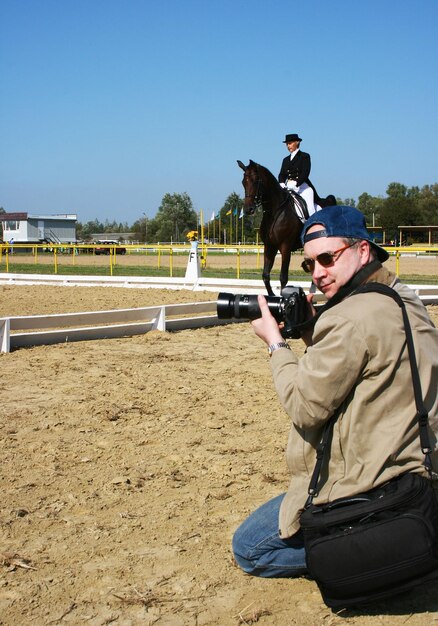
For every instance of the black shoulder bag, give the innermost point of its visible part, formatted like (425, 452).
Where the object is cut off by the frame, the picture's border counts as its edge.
(382, 542)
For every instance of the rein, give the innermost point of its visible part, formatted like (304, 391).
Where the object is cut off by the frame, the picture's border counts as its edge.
(289, 201)
(258, 200)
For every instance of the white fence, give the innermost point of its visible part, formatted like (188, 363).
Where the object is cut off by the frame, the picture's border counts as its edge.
(69, 327)
(103, 324)
(139, 282)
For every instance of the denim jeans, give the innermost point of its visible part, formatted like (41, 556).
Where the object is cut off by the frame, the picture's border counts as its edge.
(259, 550)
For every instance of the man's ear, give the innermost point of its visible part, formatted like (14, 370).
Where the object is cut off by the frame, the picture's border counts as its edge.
(365, 252)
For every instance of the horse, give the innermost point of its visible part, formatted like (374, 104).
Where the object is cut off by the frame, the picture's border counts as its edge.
(281, 227)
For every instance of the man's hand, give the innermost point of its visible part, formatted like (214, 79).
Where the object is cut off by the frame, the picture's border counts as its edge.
(266, 327)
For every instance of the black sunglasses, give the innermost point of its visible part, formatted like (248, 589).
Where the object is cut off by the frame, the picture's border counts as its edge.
(325, 258)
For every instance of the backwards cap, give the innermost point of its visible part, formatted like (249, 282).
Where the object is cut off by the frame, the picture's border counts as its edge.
(341, 221)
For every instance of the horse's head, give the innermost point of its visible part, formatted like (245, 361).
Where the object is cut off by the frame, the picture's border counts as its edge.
(252, 183)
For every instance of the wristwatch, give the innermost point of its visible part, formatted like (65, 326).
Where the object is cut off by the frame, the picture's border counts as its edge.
(275, 346)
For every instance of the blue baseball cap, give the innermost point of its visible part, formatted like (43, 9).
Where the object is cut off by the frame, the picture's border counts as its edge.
(341, 221)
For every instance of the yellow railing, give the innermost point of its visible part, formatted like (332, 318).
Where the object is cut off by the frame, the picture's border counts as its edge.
(73, 250)
(7, 252)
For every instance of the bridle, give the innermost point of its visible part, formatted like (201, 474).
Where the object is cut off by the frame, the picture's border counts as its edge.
(257, 196)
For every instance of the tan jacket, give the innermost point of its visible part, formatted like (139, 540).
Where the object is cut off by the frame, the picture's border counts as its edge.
(358, 368)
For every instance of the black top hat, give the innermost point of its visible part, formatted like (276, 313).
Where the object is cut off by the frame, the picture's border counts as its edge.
(292, 137)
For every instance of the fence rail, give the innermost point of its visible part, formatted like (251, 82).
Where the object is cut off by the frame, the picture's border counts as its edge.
(60, 253)
(68, 327)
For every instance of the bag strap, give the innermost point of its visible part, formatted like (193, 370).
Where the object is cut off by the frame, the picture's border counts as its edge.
(421, 416)
(320, 453)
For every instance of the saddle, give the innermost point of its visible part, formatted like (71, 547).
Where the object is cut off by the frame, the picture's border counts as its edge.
(299, 205)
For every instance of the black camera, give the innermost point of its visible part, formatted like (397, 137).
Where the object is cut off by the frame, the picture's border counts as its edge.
(289, 308)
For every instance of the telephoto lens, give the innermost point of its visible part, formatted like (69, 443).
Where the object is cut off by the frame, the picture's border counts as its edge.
(242, 306)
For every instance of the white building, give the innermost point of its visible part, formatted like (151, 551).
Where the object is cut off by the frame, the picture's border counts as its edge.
(26, 228)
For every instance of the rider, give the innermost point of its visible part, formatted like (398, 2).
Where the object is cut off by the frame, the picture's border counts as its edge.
(295, 170)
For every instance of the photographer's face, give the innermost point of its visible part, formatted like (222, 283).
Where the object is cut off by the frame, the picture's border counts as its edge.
(329, 279)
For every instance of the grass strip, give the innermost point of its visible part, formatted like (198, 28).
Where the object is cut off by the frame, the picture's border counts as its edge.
(118, 270)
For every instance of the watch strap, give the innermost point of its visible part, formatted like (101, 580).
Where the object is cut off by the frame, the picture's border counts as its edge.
(276, 346)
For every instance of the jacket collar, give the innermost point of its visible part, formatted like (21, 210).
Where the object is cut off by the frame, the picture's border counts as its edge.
(382, 275)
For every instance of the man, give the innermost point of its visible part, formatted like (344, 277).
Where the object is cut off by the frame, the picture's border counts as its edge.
(295, 171)
(356, 366)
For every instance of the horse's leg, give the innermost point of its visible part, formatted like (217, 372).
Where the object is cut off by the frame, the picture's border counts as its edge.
(285, 262)
(268, 262)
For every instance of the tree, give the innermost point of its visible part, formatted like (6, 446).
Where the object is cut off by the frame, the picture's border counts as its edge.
(370, 206)
(399, 208)
(234, 203)
(174, 219)
(347, 201)
(84, 231)
(396, 190)
(427, 203)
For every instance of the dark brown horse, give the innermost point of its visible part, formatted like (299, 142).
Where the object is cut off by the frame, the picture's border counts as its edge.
(280, 228)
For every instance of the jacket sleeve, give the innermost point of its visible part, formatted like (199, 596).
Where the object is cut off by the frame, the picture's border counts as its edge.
(304, 170)
(313, 387)
(283, 171)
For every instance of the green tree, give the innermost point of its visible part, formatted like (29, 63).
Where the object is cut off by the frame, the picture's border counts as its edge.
(399, 208)
(427, 203)
(370, 207)
(347, 201)
(84, 231)
(396, 190)
(174, 219)
(115, 227)
(140, 230)
(234, 203)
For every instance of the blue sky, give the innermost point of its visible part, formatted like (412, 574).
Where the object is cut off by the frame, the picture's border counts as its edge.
(106, 105)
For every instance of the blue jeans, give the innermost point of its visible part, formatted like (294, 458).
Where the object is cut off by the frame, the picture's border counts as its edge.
(259, 550)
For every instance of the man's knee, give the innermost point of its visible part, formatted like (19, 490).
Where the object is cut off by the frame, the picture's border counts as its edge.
(241, 550)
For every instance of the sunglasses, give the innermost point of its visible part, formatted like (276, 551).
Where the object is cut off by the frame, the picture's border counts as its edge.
(325, 258)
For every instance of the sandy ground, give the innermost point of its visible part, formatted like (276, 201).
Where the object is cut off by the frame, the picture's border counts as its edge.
(128, 463)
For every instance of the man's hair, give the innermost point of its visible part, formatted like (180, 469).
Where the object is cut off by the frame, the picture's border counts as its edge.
(353, 240)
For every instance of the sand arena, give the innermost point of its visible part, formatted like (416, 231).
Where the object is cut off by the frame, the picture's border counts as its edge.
(128, 463)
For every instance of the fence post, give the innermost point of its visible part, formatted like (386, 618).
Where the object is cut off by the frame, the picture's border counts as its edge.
(5, 343)
(159, 322)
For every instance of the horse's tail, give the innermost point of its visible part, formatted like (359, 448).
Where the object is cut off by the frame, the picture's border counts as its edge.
(330, 200)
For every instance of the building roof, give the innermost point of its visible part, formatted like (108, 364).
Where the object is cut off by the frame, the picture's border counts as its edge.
(4, 217)
(57, 216)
